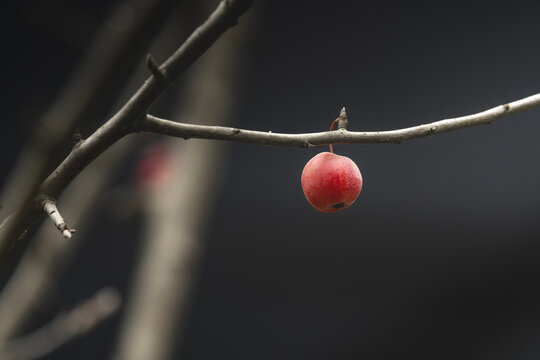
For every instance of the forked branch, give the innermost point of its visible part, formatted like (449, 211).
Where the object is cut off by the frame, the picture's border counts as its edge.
(122, 123)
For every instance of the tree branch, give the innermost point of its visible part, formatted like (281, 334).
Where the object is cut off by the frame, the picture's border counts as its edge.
(123, 123)
(36, 277)
(37, 274)
(340, 136)
(132, 117)
(88, 95)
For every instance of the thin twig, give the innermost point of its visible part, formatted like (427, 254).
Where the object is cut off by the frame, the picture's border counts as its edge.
(340, 136)
(49, 206)
(63, 328)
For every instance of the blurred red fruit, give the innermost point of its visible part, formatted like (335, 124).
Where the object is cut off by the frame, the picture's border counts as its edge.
(153, 167)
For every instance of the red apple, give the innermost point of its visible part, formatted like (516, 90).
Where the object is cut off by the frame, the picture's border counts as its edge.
(331, 182)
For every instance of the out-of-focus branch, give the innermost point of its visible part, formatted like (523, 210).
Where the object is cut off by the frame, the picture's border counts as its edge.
(63, 328)
(224, 17)
(340, 136)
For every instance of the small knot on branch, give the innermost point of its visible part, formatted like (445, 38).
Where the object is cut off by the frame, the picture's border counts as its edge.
(154, 68)
(307, 144)
(77, 138)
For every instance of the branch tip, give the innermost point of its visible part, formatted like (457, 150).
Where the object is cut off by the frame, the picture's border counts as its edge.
(67, 233)
(342, 120)
(48, 205)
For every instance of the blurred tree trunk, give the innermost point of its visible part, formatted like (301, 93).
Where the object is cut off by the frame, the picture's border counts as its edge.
(176, 211)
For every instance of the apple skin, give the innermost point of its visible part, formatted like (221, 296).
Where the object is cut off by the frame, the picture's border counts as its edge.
(331, 182)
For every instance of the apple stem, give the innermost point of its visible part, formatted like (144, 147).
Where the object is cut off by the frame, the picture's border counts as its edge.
(341, 122)
(332, 128)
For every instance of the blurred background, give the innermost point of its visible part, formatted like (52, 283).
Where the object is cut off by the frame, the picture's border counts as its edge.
(438, 257)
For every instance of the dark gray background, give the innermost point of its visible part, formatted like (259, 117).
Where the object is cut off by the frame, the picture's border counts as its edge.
(439, 256)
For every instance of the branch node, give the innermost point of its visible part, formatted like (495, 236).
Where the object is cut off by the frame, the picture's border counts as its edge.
(77, 139)
(154, 68)
(136, 126)
(506, 107)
